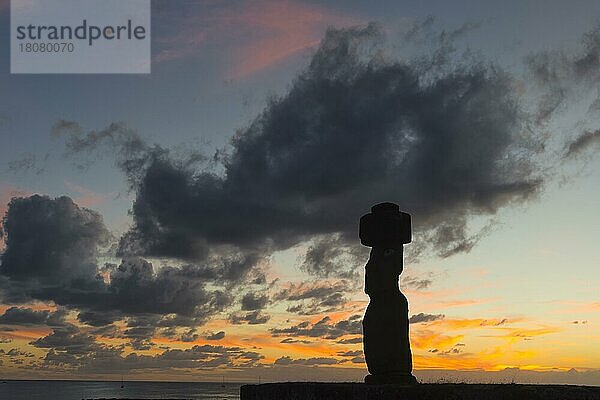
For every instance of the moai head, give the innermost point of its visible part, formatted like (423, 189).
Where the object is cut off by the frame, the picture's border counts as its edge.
(385, 226)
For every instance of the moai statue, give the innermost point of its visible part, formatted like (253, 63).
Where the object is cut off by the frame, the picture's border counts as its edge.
(385, 325)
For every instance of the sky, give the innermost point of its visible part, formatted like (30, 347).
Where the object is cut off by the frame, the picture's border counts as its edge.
(201, 221)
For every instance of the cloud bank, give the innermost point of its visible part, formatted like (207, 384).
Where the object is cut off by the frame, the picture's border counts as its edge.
(354, 129)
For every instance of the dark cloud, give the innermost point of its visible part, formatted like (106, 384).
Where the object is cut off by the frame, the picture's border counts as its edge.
(108, 331)
(422, 317)
(51, 239)
(357, 360)
(315, 296)
(52, 250)
(324, 328)
(333, 302)
(286, 360)
(253, 301)
(563, 76)
(18, 353)
(26, 164)
(136, 158)
(215, 336)
(556, 67)
(354, 129)
(425, 31)
(131, 152)
(331, 257)
(416, 283)
(351, 340)
(70, 349)
(290, 340)
(27, 316)
(259, 278)
(310, 290)
(141, 330)
(582, 143)
(350, 353)
(211, 355)
(451, 351)
(97, 318)
(251, 318)
(136, 288)
(68, 339)
(189, 336)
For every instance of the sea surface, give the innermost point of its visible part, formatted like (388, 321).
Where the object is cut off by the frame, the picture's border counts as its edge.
(77, 390)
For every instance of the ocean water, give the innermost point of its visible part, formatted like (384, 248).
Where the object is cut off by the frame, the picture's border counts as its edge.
(77, 390)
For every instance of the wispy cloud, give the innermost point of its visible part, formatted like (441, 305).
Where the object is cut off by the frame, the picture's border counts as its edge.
(583, 142)
(513, 335)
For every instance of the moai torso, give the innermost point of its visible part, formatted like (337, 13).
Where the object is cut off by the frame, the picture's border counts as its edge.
(382, 272)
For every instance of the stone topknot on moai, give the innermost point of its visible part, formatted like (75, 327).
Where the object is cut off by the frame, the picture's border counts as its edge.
(385, 325)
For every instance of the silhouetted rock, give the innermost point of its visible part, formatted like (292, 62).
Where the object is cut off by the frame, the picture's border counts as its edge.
(385, 325)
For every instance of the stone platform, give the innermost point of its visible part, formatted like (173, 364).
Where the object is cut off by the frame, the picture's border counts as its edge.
(360, 391)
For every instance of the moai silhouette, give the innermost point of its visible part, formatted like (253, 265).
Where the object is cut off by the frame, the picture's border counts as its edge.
(385, 325)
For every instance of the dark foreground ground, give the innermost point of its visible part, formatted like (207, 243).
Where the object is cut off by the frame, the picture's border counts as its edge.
(432, 391)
